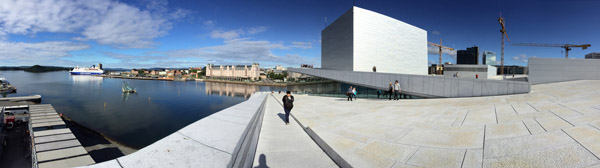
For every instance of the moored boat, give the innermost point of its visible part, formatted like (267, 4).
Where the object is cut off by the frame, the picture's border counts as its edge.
(6, 87)
(126, 88)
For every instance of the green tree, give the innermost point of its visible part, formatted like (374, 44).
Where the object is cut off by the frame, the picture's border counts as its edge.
(203, 72)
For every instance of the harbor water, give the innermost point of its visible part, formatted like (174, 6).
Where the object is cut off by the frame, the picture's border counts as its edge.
(136, 120)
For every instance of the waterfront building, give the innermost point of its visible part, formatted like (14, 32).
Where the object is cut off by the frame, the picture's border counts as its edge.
(251, 72)
(170, 73)
(361, 39)
(468, 56)
(594, 55)
(489, 58)
(280, 68)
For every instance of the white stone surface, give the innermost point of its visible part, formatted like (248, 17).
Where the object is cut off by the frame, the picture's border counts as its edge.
(283, 145)
(556, 125)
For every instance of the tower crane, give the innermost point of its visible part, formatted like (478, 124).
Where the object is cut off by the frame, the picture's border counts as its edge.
(503, 31)
(567, 47)
(440, 51)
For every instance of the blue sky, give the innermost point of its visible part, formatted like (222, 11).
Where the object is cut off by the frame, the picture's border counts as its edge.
(160, 33)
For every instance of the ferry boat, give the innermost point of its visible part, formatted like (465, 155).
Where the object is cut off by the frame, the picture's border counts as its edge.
(92, 70)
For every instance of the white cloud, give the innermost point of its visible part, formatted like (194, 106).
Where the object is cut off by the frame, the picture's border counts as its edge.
(522, 58)
(20, 53)
(107, 22)
(435, 32)
(303, 45)
(240, 50)
(235, 51)
(234, 34)
(255, 30)
(209, 23)
(221, 34)
(433, 50)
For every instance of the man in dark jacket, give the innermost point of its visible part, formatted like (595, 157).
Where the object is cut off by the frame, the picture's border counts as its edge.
(349, 93)
(288, 104)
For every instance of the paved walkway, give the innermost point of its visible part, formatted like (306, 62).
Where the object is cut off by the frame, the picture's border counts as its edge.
(556, 125)
(283, 145)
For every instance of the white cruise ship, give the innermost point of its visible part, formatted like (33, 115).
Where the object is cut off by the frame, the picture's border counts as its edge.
(92, 70)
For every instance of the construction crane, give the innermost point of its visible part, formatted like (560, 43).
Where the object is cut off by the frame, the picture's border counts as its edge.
(440, 51)
(503, 31)
(567, 47)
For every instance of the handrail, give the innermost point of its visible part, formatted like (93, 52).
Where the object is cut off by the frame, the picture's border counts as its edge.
(243, 156)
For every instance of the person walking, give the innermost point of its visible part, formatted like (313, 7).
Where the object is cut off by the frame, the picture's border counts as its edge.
(396, 90)
(390, 90)
(349, 93)
(288, 104)
(354, 93)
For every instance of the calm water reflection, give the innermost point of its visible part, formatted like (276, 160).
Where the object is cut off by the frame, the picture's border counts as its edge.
(136, 120)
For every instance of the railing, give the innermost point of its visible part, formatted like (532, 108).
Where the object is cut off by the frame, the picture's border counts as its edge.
(34, 163)
(246, 148)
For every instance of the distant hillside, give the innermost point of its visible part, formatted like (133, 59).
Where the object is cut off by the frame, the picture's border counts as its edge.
(36, 68)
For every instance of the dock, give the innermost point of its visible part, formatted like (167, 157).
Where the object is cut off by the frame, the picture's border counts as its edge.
(35, 98)
(53, 144)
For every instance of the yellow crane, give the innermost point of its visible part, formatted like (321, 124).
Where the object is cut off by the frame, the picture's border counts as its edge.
(503, 31)
(440, 46)
(567, 47)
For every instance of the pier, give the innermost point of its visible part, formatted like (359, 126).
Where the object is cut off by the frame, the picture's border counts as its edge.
(53, 144)
(33, 98)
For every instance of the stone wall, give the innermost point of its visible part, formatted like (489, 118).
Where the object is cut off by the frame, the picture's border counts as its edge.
(549, 70)
(423, 85)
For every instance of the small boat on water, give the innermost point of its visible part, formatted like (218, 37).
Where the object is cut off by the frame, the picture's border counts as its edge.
(127, 89)
(6, 87)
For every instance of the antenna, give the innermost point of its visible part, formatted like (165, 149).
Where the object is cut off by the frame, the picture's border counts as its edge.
(353, 2)
(325, 21)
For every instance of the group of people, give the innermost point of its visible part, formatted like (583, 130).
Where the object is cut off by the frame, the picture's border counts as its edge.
(394, 88)
(351, 93)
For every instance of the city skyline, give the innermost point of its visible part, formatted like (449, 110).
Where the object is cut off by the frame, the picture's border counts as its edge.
(173, 34)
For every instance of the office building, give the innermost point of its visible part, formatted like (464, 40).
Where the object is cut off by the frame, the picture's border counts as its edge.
(489, 58)
(594, 55)
(361, 39)
(469, 56)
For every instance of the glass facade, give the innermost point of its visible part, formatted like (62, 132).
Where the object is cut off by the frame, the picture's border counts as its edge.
(489, 58)
(337, 89)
